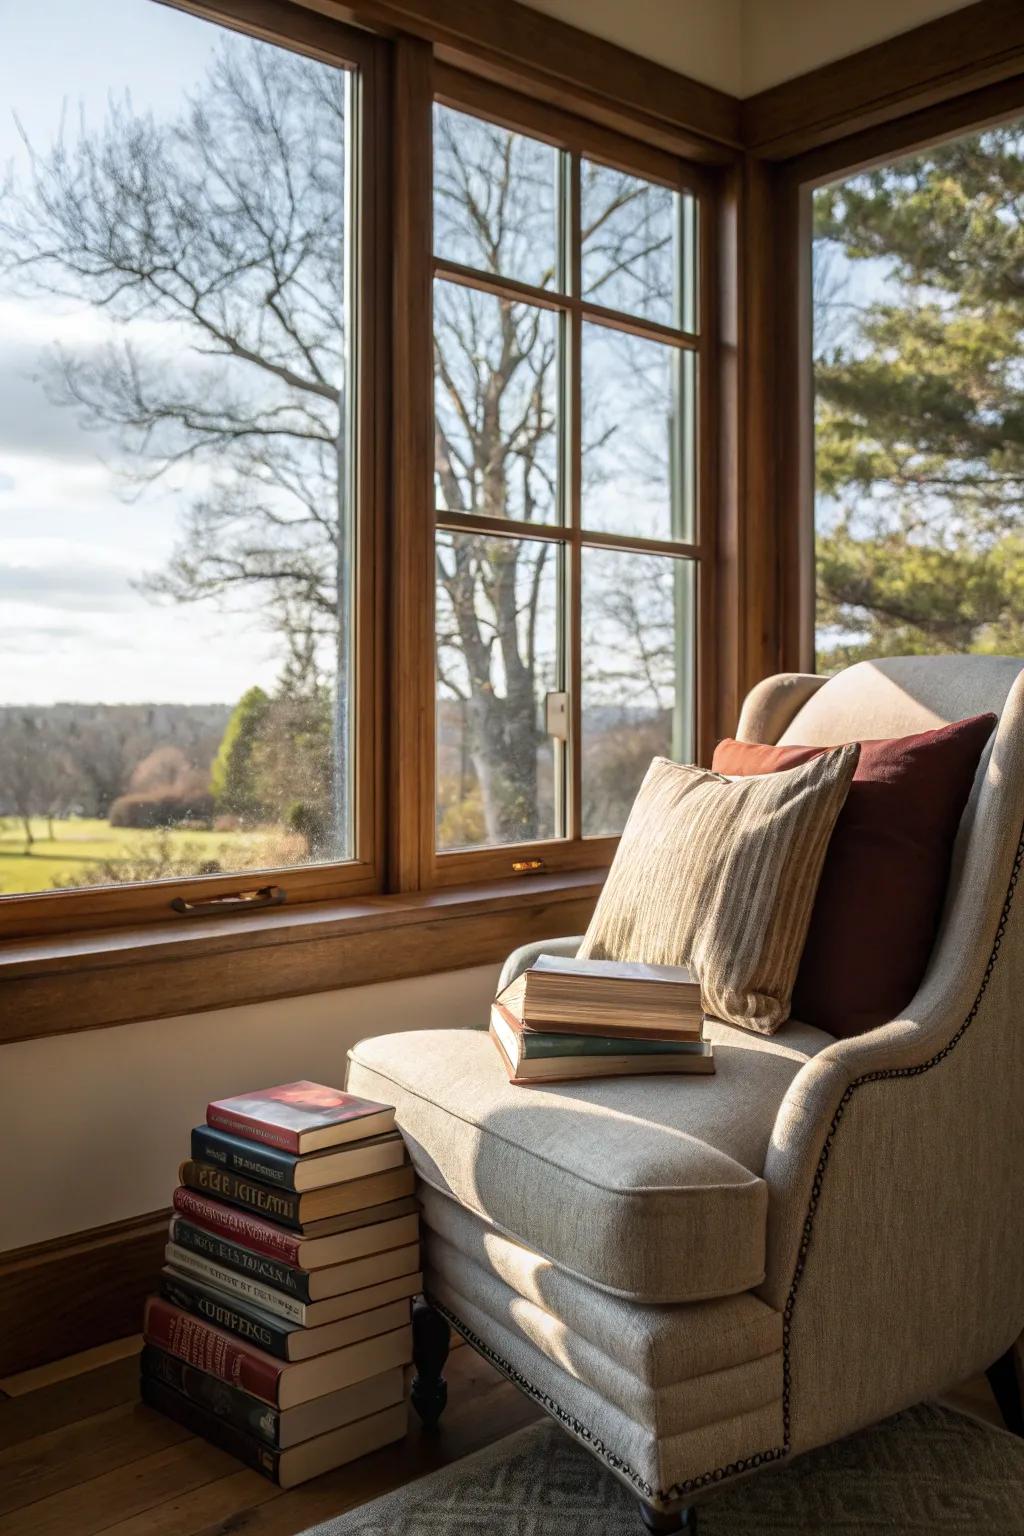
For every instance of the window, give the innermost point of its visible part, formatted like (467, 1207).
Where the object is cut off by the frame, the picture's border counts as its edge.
(242, 659)
(568, 561)
(180, 248)
(918, 337)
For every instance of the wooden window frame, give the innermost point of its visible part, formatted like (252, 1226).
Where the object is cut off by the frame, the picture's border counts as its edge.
(108, 907)
(580, 138)
(90, 959)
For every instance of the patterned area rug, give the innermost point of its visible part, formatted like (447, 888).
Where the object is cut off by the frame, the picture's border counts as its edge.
(927, 1470)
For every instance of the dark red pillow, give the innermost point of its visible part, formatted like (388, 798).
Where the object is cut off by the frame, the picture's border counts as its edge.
(884, 881)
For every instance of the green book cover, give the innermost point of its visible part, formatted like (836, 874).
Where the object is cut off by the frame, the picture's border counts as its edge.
(539, 1045)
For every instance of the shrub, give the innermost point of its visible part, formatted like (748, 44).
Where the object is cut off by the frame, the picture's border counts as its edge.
(168, 808)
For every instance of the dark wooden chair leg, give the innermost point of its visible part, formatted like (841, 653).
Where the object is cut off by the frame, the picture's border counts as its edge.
(1006, 1389)
(431, 1337)
(668, 1524)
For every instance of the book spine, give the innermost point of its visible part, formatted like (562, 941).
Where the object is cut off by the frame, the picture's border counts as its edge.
(209, 1427)
(279, 1205)
(252, 1129)
(237, 1227)
(229, 1403)
(247, 1261)
(195, 1267)
(209, 1349)
(222, 1311)
(224, 1151)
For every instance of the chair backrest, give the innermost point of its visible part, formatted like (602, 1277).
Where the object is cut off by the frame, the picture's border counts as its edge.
(895, 696)
(899, 696)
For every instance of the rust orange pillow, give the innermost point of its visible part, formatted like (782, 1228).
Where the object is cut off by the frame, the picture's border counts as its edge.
(886, 870)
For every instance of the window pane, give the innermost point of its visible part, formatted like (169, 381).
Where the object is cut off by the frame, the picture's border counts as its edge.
(638, 436)
(495, 199)
(638, 669)
(638, 246)
(495, 393)
(918, 337)
(175, 571)
(499, 773)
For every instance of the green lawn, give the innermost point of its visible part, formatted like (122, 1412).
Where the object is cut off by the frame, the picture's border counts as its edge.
(79, 844)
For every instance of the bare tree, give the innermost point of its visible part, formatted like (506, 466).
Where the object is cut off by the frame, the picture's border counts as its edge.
(35, 775)
(223, 229)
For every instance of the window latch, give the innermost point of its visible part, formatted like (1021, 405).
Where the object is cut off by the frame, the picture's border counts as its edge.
(233, 901)
(557, 715)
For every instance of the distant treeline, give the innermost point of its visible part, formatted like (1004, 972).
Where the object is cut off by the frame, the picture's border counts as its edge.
(57, 759)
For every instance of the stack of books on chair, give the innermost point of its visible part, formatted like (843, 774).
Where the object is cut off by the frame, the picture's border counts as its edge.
(564, 1019)
(283, 1321)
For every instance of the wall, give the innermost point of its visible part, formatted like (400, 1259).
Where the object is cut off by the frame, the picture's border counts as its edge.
(744, 46)
(95, 1124)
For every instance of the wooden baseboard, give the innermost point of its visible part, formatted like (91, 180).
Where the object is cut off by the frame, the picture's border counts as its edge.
(75, 1292)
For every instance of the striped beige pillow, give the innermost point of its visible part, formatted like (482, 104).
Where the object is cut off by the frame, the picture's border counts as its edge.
(720, 875)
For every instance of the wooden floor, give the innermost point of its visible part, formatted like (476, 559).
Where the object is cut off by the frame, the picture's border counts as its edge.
(82, 1455)
(79, 1454)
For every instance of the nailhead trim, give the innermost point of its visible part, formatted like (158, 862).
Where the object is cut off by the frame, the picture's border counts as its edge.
(749, 1463)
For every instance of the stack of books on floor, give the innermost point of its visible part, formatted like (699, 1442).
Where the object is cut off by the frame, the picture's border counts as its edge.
(282, 1326)
(565, 1019)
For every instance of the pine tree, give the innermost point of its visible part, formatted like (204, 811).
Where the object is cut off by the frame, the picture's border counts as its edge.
(233, 779)
(920, 407)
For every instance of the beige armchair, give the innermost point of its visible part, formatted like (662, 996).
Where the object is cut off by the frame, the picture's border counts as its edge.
(701, 1277)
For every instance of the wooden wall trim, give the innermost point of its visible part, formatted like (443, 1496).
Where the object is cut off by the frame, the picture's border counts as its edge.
(77, 1291)
(525, 49)
(969, 48)
(57, 987)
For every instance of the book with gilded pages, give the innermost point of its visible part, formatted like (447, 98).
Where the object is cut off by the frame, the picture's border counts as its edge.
(287, 1170)
(302, 1283)
(278, 1382)
(287, 1468)
(277, 1428)
(606, 997)
(311, 1213)
(300, 1117)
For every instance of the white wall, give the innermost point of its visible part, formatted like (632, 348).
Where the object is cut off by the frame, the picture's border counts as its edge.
(744, 46)
(95, 1124)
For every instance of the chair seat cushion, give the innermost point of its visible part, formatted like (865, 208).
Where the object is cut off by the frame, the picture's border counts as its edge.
(648, 1187)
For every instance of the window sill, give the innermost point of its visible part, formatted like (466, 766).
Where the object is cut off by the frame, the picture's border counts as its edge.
(60, 984)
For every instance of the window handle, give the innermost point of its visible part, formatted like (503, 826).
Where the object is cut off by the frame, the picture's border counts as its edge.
(233, 901)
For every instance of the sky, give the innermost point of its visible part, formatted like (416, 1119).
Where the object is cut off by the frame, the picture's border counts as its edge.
(73, 626)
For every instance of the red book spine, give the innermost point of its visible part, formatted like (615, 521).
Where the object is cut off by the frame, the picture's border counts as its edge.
(260, 1236)
(210, 1350)
(252, 1129)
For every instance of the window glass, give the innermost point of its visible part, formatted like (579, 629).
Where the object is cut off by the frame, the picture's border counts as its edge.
(637, 676)
(495, 199)
(175, 450)
(638, 435)
(919, 448)
(495, 418)
(498, 656)
(638, 246)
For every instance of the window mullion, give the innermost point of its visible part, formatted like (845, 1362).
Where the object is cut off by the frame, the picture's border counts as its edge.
(573, 417)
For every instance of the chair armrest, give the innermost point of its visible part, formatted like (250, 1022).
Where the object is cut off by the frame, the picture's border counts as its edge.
(522, 958)
(963, 1019)
(770, 706)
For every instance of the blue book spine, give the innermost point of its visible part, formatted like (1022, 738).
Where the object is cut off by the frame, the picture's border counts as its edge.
(222, 1311)
(225, 1151)
(256, 1266)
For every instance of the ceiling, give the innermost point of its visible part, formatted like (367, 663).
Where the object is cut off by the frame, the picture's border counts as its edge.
(744, 46)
